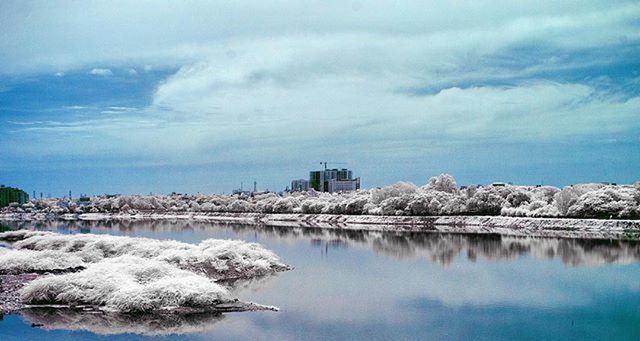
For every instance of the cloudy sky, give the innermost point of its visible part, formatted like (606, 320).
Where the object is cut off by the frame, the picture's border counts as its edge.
(138, 97)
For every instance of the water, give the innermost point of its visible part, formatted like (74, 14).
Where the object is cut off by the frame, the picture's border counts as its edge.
(380, 286)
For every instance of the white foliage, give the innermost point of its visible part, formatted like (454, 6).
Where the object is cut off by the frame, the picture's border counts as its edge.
(24, 261)
(487, 200)
(314, 205)
(440, 196)
(128, 284)
(443, 183)
(398, 189)
(565, 199)
(241, 206)
(213, 257)
(125, 274)
(607, 202)
(286, 205)
(536, 208)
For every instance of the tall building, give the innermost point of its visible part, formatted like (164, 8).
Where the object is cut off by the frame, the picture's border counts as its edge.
(333, 180)
(9, 195)
(299, 185)
(335, 185)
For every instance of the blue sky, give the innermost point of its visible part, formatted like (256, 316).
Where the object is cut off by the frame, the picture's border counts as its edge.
(115, 97)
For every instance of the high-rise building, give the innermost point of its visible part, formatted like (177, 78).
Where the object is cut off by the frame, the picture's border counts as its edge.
(299, 185)
(333, 180)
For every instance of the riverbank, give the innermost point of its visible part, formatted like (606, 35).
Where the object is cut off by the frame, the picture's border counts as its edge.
(511, 226)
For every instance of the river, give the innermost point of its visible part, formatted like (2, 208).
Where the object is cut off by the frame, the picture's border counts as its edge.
(379, 286)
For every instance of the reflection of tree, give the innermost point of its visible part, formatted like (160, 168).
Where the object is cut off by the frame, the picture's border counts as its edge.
(444, 248)
(114, 323)
(437, 247)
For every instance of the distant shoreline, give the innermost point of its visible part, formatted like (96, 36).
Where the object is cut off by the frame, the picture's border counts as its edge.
(617, 229)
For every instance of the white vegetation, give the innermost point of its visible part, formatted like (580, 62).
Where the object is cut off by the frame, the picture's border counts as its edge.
(125, 274)
(216, 258)
(17, 262)
(439, 196)
(128, 284)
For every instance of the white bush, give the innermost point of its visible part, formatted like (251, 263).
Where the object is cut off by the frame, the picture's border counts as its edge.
(607, 202)
(128, 284)
(443, 183)
(214, 257)
(439, 196)
(24, 261)
(398, 189)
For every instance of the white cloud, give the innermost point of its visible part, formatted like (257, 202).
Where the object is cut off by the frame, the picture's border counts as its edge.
(295, 83)
(391, 78)
(100, 72)
(71, 35)
(118, 110)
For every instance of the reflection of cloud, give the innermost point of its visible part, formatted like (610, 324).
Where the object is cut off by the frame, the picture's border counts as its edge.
(249, 284)
(111, 323)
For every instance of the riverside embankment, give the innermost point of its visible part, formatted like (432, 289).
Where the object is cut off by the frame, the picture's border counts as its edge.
(513, 226)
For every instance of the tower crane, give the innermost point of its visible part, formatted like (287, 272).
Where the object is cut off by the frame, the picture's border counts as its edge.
(332, 163)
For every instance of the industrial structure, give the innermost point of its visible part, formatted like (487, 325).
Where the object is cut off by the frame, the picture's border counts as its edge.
(10, 195)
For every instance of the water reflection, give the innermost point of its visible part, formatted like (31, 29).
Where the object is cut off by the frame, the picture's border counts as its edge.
(373, 285)
(111, 323)
(438, 248)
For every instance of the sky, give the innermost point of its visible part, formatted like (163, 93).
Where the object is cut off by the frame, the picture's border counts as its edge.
(200, 96)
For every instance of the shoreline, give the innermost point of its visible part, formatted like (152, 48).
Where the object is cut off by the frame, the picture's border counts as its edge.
(503, 225)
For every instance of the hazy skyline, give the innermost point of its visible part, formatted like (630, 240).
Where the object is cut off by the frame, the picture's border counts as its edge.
(121, 97)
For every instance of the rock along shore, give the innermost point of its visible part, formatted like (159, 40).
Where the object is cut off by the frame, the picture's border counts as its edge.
(513, 226)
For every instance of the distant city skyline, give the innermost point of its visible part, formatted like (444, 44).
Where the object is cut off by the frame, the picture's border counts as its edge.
(122, 97)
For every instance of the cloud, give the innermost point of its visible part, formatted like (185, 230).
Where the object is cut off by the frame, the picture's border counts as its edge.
(302, 83)
(65, 35)
(391, 81)
(118, 110)
(100, 72)
(76, 107)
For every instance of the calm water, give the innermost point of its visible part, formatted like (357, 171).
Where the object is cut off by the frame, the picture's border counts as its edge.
(353, 285)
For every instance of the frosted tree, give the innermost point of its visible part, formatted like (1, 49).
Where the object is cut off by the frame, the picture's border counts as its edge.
(443, 183)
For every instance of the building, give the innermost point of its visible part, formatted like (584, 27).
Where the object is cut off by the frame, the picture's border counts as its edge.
(335, 185)
(9, 195)
(333, 180)
(299, 185)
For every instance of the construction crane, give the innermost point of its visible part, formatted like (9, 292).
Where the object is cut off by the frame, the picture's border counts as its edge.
(332, 163)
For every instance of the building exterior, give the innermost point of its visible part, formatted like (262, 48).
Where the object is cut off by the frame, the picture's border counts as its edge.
(333, 180)
(335, 185)
(299, 185)
(9, 195)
